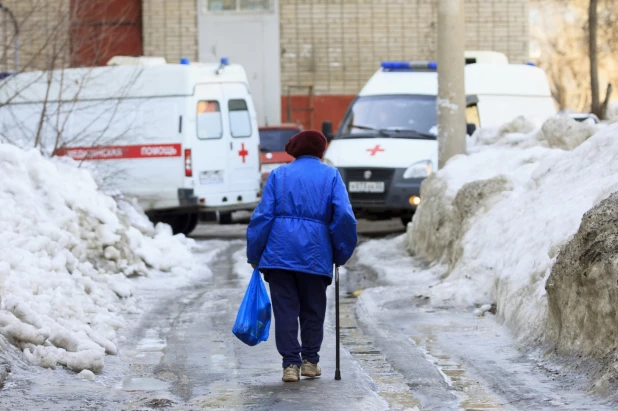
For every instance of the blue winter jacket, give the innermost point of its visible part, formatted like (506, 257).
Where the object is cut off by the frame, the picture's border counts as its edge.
(304, 222)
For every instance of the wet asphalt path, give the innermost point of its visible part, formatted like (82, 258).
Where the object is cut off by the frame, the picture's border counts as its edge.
(186, 357)
(180, 354)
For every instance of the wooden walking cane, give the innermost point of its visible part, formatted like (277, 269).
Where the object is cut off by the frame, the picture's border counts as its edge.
(337, 359)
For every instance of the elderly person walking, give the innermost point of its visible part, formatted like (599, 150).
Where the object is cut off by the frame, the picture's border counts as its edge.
(303, 225)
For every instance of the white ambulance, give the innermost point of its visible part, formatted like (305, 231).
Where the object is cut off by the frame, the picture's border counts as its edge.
(180, 138)
(387, 144)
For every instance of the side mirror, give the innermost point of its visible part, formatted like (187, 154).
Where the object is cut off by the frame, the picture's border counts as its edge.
(327, 130)
(470, 128)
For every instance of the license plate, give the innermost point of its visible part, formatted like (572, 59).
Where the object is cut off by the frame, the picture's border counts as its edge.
(366, 187)
(211, 177)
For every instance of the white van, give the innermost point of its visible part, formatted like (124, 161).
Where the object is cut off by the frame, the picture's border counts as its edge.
(181, 138)
(386, 144)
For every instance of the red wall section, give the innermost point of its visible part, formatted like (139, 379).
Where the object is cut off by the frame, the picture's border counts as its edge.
(325, 107)
(101, 29)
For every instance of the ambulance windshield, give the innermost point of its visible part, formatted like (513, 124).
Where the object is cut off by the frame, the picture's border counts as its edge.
(397, 116)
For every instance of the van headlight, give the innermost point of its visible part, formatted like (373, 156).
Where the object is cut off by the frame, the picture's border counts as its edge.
(420, 169)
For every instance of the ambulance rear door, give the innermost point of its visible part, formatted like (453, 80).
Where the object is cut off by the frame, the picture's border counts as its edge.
(210, 148)
(244, 155)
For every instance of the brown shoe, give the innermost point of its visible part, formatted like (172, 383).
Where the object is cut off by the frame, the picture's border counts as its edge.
(291, 373)
(310, 370)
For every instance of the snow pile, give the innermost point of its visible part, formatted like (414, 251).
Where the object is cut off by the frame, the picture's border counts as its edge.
(581, 289)
(612, 112)
(557, 132)
(393, 265)
(499, 216)
(66, 250)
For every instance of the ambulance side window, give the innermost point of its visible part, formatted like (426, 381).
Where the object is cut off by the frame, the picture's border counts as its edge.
(240, 121)
(472, 115)
(209, 124)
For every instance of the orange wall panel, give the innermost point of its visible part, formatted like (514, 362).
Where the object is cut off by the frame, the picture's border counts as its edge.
(101, 29)
(325, 107)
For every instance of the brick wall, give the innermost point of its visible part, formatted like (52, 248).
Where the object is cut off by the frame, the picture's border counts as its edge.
(336, 45)
(62, 33)
(170, 29)
(44, 34)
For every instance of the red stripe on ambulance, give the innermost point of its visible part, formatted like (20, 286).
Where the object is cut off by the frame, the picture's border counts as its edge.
(120, 152)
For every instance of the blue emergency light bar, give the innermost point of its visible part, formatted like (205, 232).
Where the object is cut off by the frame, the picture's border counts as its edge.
(222, 63)
(409, 65)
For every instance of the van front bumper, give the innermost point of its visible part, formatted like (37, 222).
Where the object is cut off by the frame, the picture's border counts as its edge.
(395, 200)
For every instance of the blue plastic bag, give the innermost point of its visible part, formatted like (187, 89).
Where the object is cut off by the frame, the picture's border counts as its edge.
(253, 319)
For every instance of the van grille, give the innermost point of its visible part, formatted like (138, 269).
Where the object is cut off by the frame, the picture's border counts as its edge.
(377, 174)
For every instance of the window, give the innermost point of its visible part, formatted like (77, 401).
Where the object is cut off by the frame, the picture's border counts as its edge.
(275, 139)
(255, 5)
(221, 5)
(240, 121)
(209, 120)
(251, 6)
(472, 115)
(402, 115)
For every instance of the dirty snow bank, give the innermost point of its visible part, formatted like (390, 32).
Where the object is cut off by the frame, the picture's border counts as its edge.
(66, 250)
(498, 217)
(393, 265)
(582, 290)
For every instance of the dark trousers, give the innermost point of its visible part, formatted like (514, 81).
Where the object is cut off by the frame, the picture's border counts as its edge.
(298, 296)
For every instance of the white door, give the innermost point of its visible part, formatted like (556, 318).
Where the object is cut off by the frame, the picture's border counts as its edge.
(211, 146)
(248, 34)
(247, 50)
(244, 153)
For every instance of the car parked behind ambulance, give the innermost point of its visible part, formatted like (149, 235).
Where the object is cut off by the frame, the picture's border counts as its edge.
(180, 138)
(386, 144)
(272, 146)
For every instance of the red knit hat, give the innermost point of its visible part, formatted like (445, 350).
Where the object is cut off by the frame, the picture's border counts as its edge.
(310, 142)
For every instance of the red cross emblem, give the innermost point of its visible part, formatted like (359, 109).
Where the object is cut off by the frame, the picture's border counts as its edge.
(243, 152)
(375, 150)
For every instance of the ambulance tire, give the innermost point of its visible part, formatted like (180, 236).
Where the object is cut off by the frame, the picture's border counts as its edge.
(185, 223)
(180, 223)
(163, 218)
(225, 218)
(191, 222)
(405, 220)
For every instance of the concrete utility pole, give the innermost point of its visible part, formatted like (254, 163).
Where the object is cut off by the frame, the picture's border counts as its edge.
(451, 90)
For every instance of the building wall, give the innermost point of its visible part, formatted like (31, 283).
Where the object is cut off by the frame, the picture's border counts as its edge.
(250, 38)
(44, 34)
(170, 29)
(61, 33)
(102, 29)
(336, 45)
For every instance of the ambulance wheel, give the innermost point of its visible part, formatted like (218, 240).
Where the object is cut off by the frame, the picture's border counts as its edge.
(225, 218)
(185, 223)
(192, 221)
(180, 223)
(405, 220)
(168, 219)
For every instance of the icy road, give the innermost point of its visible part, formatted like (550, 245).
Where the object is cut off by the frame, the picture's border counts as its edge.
(398, 352)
